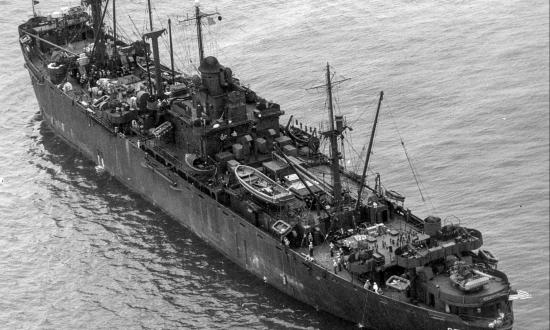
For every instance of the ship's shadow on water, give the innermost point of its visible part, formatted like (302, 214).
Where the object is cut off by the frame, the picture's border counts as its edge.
(152, 263)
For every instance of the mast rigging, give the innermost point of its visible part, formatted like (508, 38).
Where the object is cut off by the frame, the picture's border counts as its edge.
(336, 127)
(99, 38)
(198, 19)
(335, 154)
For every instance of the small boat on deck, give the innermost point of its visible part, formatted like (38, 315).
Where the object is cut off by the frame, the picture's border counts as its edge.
(298, 135)
(261, 186)
(304, 138)
(395, 196)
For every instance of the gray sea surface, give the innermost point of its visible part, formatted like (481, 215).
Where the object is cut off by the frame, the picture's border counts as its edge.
(466, 87)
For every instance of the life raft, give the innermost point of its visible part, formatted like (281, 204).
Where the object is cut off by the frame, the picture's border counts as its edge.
(398, 283)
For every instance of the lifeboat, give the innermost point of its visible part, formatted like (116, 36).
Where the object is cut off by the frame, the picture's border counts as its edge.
(261, 186)
(303, 138)
(394, 195)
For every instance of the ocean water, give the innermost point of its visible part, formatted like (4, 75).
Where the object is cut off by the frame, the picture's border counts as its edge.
(466, 88)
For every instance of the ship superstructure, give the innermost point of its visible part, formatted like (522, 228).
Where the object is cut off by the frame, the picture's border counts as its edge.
(213, 154)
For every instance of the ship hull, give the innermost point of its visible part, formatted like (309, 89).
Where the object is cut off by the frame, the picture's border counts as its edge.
(226, 231)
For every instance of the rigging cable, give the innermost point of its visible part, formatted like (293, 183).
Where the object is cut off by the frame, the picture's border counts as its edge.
(185, 46)
(361, 155)
(136, 32)
(121, 32)
(360, 114)
(145, 22)
(413, 170)
(179, 44)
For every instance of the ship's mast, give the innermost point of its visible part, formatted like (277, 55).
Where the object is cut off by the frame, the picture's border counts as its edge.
(199, 30)
(95, 6)
(336, 128)
(335, 154)
(147, 61)
(198, 17)
(171, 50)
(153, 35)
(115, 51)
(98, 16)
(33, 2)
(358, 203)
(150, 15)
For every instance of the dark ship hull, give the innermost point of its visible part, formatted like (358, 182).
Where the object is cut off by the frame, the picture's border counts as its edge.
(226, 231)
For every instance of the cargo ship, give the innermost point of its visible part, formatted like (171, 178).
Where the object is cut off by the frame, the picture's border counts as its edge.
(214, 155)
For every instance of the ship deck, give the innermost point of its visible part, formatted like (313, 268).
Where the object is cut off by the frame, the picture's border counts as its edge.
(394, 233)
(397, 232)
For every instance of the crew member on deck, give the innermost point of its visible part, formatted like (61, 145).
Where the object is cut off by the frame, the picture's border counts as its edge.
(367, 285)
(375, 288)
(311, 249)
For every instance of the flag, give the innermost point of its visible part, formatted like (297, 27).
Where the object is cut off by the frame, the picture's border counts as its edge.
(35, 2)
(211, 21)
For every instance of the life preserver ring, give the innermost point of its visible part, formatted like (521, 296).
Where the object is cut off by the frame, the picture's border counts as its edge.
(54, 66)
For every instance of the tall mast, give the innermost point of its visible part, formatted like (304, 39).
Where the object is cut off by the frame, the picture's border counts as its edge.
(154, 35)
(336, 181)
(198, 17)
(115, 51)
(171, 50)
(199, 30)
(147, 60)
(150, 15)
(98, 50)
(358, 203)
